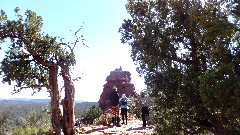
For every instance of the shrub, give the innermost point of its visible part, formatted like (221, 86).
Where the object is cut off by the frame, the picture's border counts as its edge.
(91, 114)
(105, 119)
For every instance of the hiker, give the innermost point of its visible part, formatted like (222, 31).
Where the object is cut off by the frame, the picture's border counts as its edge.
(114, 101)
(144, 106)
(77, 124)
(124, 108)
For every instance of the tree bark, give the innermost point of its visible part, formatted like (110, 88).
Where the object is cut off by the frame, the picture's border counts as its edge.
(218, 125)
(55, 104)
(68, 102)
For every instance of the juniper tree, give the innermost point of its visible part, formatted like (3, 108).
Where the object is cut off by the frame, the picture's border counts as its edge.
(35, 60)
(189, 54)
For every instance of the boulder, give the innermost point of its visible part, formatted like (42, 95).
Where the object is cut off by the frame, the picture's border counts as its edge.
(120, 79)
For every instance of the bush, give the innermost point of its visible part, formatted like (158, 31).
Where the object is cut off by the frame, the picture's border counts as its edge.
(91, 114)
(105, 119)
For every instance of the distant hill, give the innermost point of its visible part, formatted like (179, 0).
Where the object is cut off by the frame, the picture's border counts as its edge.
(40, 104)
(44, 101)
(28, 100)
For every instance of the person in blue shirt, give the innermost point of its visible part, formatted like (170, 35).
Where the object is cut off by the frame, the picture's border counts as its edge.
(124, 108)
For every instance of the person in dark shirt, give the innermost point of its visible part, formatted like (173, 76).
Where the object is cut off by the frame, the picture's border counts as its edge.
(144, 106)
(114, 101)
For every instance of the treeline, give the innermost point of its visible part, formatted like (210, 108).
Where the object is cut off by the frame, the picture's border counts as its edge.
(16, 115)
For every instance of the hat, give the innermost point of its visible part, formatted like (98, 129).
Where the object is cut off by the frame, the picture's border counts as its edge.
(114, 88)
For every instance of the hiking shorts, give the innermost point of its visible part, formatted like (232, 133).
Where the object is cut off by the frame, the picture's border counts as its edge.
(115, 110)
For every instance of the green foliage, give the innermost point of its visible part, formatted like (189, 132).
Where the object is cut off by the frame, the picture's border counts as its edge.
(91, 114)
(80, 108)
(18, 119)
(24, 117)
(33, 59)
(34, 123)
(17, 116)
(16, 111)
(30, 52)
(189, 54)
(3, 120)
(133, 107)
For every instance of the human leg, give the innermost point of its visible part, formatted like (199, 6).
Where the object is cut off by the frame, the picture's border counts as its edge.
(113, 117)
(126, 116)
(144, 113)
(122, 113)
(114, 111)
(117, 116)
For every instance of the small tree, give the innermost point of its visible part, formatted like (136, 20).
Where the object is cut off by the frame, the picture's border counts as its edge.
(91, 114)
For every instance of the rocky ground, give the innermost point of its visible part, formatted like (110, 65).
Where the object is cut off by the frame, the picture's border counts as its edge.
(134, 127)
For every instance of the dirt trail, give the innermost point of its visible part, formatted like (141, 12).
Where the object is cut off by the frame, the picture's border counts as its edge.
(134, 127)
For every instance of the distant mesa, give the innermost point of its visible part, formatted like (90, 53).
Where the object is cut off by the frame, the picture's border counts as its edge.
(120, 79)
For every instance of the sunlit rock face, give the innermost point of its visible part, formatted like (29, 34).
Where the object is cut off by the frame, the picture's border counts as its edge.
(120, 79)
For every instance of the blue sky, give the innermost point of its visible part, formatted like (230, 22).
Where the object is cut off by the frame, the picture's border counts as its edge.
(102, 19)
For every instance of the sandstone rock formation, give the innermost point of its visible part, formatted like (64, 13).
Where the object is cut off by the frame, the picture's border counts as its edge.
(120, 79)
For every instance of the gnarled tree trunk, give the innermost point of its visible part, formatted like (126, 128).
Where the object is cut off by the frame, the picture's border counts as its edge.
(68, 102)
(55, 104)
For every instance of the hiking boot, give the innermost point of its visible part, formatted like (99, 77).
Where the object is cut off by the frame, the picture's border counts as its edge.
(113, 121)
(118, 122)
